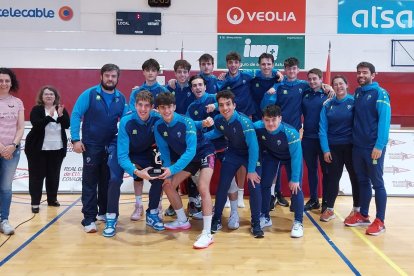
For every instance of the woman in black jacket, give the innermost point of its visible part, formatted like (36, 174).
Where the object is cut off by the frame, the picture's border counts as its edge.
(46, 146)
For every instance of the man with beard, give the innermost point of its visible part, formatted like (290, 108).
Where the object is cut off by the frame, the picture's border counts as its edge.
(370, 137)
(99, 108)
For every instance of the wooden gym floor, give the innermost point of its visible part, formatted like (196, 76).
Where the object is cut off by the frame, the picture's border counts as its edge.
(53, 243)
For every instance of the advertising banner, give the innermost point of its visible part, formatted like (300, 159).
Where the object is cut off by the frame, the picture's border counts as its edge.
(375, 17)
(49, 15)
(250, 47)
(261, 16)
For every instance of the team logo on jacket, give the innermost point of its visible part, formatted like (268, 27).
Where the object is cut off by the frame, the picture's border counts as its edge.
(285, 92)
(369, 97)
(300, 91)
(98, 98)
(228, 87)
(188, 94)
(279, 142)
(173, 93)
(257, 85)
(179, 134)
(116, 100)
(222, 127)
(234, 130)
(244, 81)
(88, 159)
(357, 95)
(196, 112)
(349, 106)
(134, 131)
(165, 134)
(263, 137)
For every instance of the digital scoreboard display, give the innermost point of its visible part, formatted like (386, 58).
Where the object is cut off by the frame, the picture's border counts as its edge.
(138, 23)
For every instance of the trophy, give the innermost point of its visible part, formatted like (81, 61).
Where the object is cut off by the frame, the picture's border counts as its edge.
(156, 170)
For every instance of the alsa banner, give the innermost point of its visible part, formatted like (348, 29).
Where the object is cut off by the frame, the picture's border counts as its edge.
(261, 16)
(51, 15)
(375, 17)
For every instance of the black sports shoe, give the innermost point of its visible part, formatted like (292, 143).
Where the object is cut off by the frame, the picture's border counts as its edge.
(170, 212)
(281, 200)
(215, 226)
(257, 231)
(312, 204)
(272, 202)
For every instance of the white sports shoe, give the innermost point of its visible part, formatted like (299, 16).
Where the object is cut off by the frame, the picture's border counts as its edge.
(265, 222)
(234, 221)
(297, 230)
(91, 228)
(227, 205)
(6, 228)
(240, 202)
(177, 225)
(138, 211)
(203, 241)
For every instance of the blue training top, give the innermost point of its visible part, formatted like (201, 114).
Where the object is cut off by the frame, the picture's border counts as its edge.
(240, 86)
(372, 117)
(212, 83)
(336, 121)
(289, 98)
(197, 111)
(182, 138)
(99, 121)
(258, 87)
(312, 103)
(136, 140)
(183, 97)
(283, 144)
(240, 134)
(155, 89)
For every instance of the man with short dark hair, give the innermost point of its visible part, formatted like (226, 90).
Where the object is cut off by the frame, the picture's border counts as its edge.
(370, 137)
(99, 108)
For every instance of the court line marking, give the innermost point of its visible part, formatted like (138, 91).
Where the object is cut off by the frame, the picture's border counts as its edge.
(27, 242)
(374, 248)
(332, 244)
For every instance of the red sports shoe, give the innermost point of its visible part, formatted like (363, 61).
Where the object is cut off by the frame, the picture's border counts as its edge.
(376, 228)
(357, 220)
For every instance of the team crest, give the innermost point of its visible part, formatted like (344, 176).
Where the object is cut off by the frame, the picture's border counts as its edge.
(188, 94)
(300, 90)
(257, 85)
(369, 97)
(222, 127)
(263, 137)
(196, 112)
(165, 134)
(285, 92)
(98, 98)
(244, 81)
(228, 87)
(179, 134)
(173, 93)
(234, 130)
(134, 131)
(279, 142)
(116, 100)
(349, 106)
(88, 159)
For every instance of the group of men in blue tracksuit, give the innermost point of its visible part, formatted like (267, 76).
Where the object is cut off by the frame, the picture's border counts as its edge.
(241, 124)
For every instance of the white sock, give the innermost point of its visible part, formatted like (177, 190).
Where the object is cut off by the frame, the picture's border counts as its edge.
(330, 209)
(110, 215)
(138, 199)
(272, 190)
(207, 223)
(35, 206)
(233, 206)
(356, 209)
(240, 194)
(154, 211)
(181, 217)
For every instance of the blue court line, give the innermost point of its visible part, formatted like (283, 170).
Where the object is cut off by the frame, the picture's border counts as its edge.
(332, 244)
(26, 243)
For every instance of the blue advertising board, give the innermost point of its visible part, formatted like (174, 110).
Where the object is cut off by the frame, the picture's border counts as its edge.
(375, 17)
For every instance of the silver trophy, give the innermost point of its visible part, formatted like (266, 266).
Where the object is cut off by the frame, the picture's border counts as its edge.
(156, 170)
